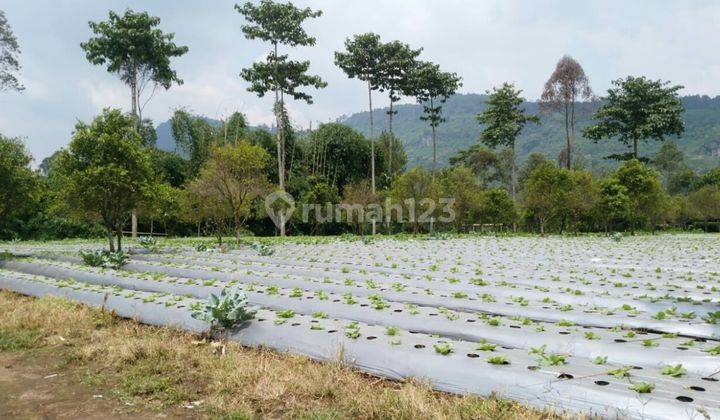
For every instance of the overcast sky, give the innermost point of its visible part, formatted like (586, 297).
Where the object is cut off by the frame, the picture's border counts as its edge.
(485, 41)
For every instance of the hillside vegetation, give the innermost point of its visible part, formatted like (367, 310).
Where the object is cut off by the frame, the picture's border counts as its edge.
(701, 141)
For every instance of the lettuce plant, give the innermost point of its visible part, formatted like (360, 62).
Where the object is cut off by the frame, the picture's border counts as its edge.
(498, 360)
(104, 259)
(676, 371)
(443, 348)
(227, 310)
(642, 387)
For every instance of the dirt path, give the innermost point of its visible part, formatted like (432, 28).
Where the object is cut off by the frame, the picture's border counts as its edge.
(33, 388)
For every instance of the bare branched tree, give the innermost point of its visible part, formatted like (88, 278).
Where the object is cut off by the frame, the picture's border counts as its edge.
(567, 84)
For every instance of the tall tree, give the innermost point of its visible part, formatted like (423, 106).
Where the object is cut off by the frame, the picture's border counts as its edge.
(17, 180)
(432, 87)
(636, 109)
(232, 179)
(503, 120)
(9, 52)
(566, 85)
(398, 61)
(105, 172)
(361, 60)
(134, 48)
(279, 24)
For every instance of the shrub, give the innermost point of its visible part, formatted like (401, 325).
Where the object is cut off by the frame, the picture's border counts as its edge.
(104, 259)
(148, 242)
(227, 310)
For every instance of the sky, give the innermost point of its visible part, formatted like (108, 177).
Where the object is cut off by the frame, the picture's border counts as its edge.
(487, 42)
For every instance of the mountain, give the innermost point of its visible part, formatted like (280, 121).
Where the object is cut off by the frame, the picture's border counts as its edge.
(700, 142)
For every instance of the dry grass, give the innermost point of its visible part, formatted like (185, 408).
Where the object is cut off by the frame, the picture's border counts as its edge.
(159, 368)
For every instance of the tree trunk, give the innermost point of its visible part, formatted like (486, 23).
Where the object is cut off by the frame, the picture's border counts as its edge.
(119, 238)
(567, 137)
(111, 239)
(391, 139)
(434, 162)
(512, 180)
(635, 148)
(372, 150)
(135, 108)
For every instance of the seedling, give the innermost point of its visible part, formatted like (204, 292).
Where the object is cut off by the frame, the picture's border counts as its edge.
(485, 346)
(676, 371)
(443, 348)
(623, 372)
(552, 359)
(591, 336)
(296, 293)
(320, 315)
(392, 331)
(642, 387)
(288, 313)
(498, 360)
(600, 360)
(650, 343)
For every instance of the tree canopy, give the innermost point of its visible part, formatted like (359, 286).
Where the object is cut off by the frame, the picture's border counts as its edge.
(9, 52)
(637, 109)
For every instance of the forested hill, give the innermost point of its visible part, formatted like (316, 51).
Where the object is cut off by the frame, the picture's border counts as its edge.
(701, 141)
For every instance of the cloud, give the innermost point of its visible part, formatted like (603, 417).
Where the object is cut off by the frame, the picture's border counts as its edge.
(486, 42)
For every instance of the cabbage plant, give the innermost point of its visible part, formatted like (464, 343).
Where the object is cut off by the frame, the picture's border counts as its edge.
(227, 310)
(104, 259)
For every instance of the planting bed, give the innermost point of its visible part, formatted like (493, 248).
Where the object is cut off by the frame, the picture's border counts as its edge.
(591, 325)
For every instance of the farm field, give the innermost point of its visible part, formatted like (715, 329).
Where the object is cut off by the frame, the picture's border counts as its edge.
(579, 325)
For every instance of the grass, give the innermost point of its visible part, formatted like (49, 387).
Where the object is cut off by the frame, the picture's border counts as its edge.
(157, 368)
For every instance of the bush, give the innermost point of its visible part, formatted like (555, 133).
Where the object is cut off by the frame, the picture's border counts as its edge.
(104, 259)
(227, 310)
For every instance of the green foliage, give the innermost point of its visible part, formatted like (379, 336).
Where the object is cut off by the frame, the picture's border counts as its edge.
(18, 184)
(105, 173)
(148, 242)
(642, 387)
(504, 119)
(443, 348)
(676, 371)
(638, 109)
(227, 310)
(104, 259)
(9, 64)
(498, 360)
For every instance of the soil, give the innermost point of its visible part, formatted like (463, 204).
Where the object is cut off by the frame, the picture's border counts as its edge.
(32, 388)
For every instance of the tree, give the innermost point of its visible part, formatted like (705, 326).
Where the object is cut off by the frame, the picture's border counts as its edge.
(497, 207)
(677, 177)
(231, 180)
(566, 85)
(613, 204)
(417, 192)
(279, 24)
(361, 60)
(339, 154)
(9, 52)
(711, 177)
(648, 201)
(105, 171)
(398, 61)
(18, 183)
(547, 193)
(484, 163)
(504, 119)
(705, 203)
(432, 87)
(389, 145)
(637, 109)
(461, 184)
(359, 194)
(133, 47)
(194, 136)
